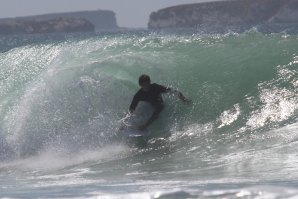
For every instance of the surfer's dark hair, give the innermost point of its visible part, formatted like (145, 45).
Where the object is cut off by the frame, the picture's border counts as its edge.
(144, 79)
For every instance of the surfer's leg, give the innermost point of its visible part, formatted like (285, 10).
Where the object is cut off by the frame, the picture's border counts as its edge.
(157, 110)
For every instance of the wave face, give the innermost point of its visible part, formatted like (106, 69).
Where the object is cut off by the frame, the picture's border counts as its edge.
(61, 100)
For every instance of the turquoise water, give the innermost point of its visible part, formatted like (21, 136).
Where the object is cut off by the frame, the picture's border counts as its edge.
(62, 96)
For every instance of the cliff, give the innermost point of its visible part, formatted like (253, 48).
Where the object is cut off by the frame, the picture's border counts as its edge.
(101, 19)
(82, 21)
(59, 25)
(235, 13)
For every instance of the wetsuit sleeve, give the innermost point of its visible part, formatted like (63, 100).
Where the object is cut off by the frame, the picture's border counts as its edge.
(134, 102)
(163, 89)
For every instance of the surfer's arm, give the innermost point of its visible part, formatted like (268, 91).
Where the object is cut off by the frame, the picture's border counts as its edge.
(180, 95)
(134, 103)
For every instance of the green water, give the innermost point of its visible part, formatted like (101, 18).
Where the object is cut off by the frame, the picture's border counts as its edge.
(61, 99)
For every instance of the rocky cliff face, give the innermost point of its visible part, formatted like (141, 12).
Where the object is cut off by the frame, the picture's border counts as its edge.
(227, 13)
(101, 19)
(59, 25)
(287, 13)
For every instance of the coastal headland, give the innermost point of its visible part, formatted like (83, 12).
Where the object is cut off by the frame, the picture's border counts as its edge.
(82, 21)
(272, 14)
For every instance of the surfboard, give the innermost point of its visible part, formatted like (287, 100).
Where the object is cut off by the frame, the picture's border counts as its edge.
(133, 132)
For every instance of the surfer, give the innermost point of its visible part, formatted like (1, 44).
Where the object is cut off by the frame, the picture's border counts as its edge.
(152, 93)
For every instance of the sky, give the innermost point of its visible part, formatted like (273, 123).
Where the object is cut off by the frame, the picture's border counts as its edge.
(129, 13)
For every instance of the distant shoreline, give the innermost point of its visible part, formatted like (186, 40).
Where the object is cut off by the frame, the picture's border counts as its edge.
(80, 21)
(274, 15)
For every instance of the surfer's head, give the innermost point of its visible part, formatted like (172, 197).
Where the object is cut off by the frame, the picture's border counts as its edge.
(144, 82)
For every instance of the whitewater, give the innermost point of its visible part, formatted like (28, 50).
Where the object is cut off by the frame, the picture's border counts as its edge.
(62, 96)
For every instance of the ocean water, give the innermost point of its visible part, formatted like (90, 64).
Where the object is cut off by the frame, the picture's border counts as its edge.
(62, 96)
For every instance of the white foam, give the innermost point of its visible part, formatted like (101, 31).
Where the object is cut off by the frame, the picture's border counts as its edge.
(53, 159)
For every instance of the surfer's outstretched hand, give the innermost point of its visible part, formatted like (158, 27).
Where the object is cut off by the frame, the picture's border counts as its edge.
(182, 97)
(186, 100)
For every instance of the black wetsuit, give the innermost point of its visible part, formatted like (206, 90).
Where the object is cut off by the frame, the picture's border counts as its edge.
(153, 96)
